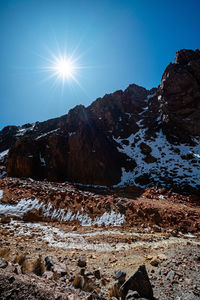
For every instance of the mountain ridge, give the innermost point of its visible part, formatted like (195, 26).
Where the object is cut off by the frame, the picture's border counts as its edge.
(132, 137)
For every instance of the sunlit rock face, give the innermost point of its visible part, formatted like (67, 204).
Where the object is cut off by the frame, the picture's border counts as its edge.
(134, 137)
(179, 96)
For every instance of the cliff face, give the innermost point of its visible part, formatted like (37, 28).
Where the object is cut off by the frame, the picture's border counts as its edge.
(134, 136)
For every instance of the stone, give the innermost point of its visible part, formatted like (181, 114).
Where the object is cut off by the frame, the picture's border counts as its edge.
(49, 263)
(78, 282)
(5, 220)
(60, 269)
(97, 274)
(120, 276)
(138, 281)
(3, 263)
(155, 262)
(48, 275)
(82, 261)
(115, 291)
(170, 275)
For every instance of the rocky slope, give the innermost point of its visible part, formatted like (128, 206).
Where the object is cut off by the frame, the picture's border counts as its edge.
(136, 136)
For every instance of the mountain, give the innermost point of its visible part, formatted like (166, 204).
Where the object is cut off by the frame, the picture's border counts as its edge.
(132, 137)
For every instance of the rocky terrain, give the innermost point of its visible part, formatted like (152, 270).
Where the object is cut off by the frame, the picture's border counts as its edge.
(104, 202)
(96, 239)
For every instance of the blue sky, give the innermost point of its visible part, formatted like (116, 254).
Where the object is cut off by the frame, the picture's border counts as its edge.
(117, 42)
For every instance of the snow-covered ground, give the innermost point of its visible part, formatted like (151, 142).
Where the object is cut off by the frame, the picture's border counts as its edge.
(22, 130)
(23, 206)
(59, 238)
(3, 154)
(171, 162)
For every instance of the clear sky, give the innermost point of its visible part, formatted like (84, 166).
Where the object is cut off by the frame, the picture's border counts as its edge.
(116, 43)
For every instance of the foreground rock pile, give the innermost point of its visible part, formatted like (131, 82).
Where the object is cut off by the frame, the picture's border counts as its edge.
(175, 276)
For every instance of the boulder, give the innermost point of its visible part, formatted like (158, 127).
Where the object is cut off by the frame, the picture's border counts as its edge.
(138, 281)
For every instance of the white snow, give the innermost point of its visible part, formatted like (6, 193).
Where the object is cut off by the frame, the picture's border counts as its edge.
(3, 174)
(71, 133)
(42, 160)
(129, 115)
(22, 131)
(60, 238)
(3, 153)
(87, 185)
(23, 206)
(1, 194)
(46, 133)
(169, 164)
(20, 208)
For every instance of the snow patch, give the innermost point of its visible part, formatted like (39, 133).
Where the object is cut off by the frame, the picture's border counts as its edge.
(46, 133)
(3, 174)
(42, 160)
(171, 162)
(4, 153)
(23, 206)
(22, 131)
(71, 133)
(1, 194)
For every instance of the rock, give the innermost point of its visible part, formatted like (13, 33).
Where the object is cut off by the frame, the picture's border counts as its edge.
(120, 276)
(139, 282)
(82, 261)
(115, 290)
(49, 263)
(82, 271)
(48, 275)
(157, 228)
(3, 263)
(5, 220)
(78, 281)
(33, 215)
(131, 295)
(170, 275)
(60, 269)
(97, 274)
(180, 81)
(155, 262)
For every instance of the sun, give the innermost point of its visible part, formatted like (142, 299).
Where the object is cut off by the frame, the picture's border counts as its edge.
(64, 68)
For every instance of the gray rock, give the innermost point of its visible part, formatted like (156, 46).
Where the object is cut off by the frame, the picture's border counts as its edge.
(170, 275)
(3, 263)
(49, 263)
(60, 269)
(120, 276)
(139, 282)
(48, 275)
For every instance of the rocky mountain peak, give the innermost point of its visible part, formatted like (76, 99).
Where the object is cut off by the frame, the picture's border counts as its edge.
(186, 56)
(133, 137)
